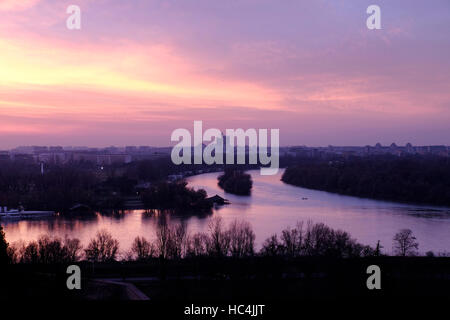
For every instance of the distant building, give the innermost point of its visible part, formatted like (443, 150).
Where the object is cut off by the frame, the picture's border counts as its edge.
(108, 159)
(409, 148)
(22, 150)
(39, 149)
(23, 157)
(217, 200)
(101, 159)
(4, 156)
(55, 149)
(131, 149)
(54, 157)
(145, 149)
(111, 150)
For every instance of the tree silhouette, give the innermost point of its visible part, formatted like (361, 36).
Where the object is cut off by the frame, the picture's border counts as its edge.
(378, 249)
(4, 258)
(103, 248)
(405, 243)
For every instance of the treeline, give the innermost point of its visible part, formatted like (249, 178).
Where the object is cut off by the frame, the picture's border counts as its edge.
(173, 242)
(235, 181)
(59, 188)
(416, 179)
(98, 187)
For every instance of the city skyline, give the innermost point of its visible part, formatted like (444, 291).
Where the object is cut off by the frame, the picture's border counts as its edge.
(137, 71)
(136, 146)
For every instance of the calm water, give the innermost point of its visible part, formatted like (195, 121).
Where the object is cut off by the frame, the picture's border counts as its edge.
(272, 206)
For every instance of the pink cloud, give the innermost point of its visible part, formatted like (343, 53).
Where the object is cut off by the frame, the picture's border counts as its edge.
(139, 69)
(16, 5)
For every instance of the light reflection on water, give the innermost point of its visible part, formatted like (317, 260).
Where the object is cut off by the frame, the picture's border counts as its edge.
(272, 206)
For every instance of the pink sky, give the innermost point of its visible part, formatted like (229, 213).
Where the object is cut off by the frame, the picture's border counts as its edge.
(139, 69)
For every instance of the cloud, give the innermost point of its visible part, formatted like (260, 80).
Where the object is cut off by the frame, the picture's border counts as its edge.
(140, 67)
(16, 5)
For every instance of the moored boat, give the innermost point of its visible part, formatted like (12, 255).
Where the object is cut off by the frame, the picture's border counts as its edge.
(20, 213)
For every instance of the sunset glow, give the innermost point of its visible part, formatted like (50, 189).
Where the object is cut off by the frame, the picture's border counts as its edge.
(137, 70)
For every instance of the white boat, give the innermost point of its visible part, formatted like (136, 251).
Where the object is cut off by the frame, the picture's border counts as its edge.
(20, 213)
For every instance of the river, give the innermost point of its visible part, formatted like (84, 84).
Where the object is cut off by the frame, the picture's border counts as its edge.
(271, 207)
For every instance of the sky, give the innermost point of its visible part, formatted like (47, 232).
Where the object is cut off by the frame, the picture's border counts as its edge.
(137, 70)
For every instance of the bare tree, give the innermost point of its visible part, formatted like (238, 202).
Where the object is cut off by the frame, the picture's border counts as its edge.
(102, 248)
(271, 247)
(308, 239)
(197, 245)
(219, 239)
(316, 239)
(73, 249)
(378, 248)
(47, 250)
(292, 240)
(242, 239)
(178, 241)
(13, 254)
(163, 240)
(30, 253)
(405, 243)
(4, 256)
(142, 249)
(50, 250)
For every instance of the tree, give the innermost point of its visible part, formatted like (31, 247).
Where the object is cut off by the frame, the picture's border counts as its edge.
(316, 239)
(163, 234)
(423, 179)
(405, 243)
(47, 250)
(242, 239)
(197, 245)
(178, 243)
(378, 249)
(102, 248)
(51, 250)
(219, 239)
(30, 253)
(292, 240)
(235, 181)
(142, 249)
(73, 249)
(271, 247)
(4, 258)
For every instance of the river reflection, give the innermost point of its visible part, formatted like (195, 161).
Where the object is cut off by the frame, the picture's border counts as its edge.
(272, 206)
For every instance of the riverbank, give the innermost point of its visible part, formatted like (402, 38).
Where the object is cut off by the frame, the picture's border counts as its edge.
(413, 179)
